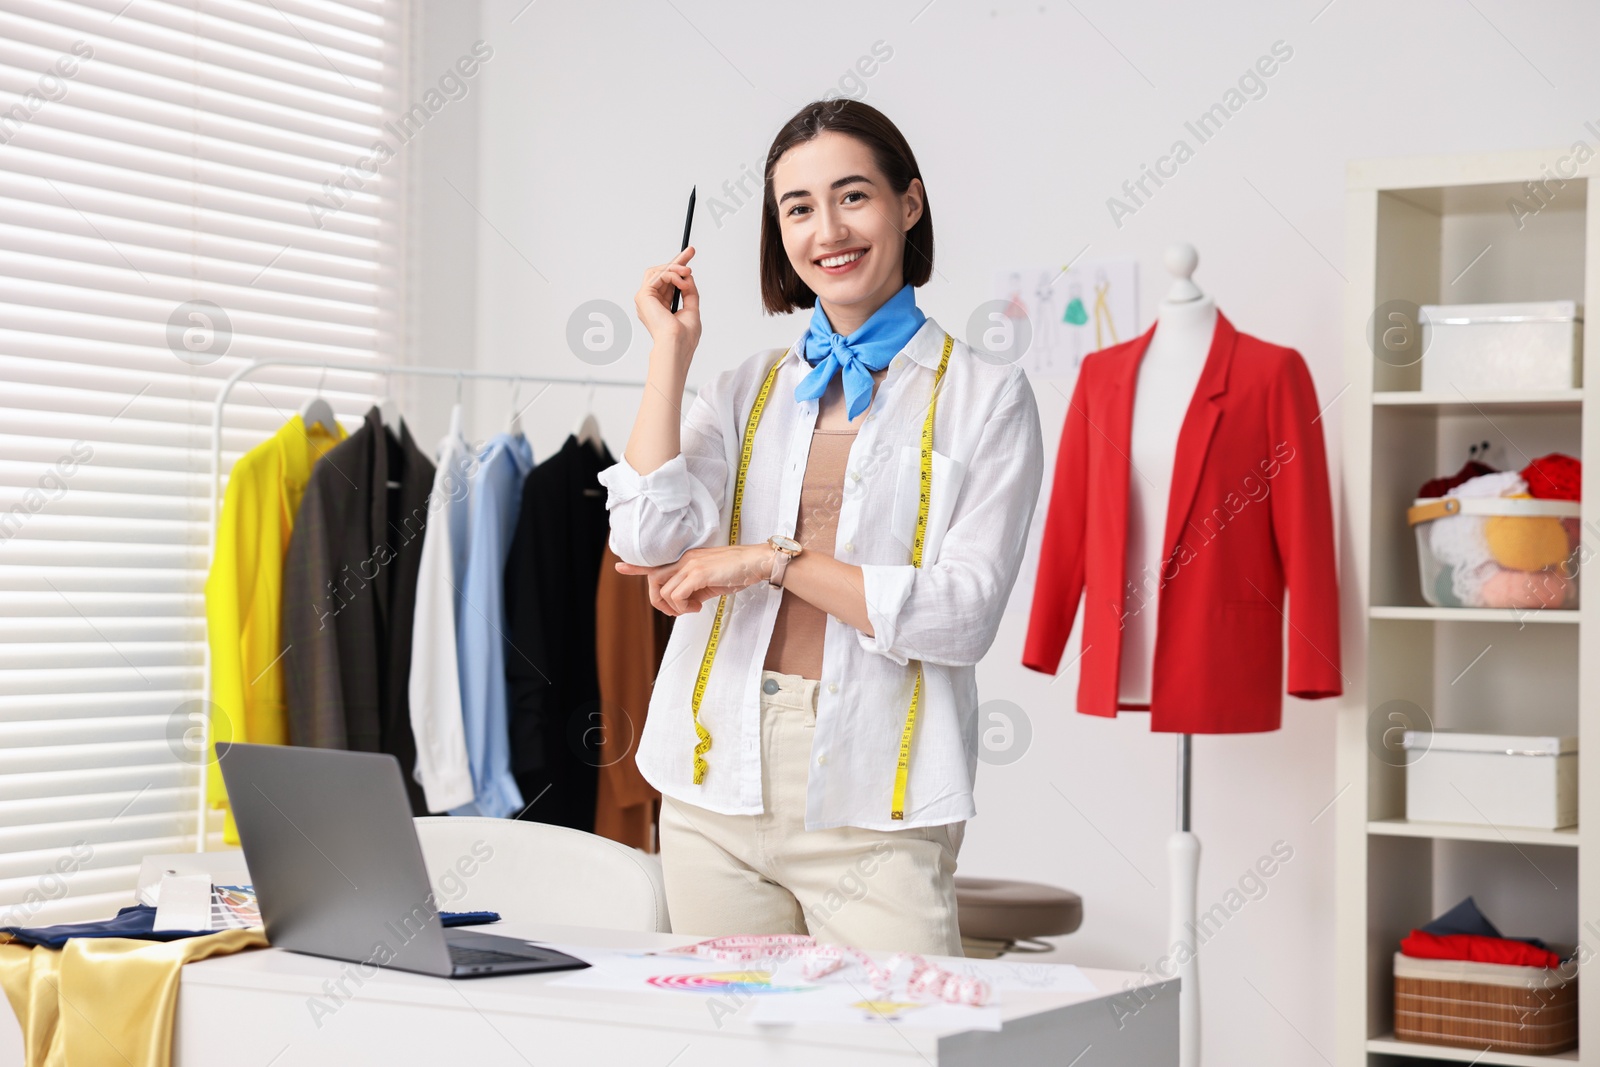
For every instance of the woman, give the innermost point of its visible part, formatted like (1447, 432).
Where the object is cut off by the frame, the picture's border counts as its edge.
(814, 729)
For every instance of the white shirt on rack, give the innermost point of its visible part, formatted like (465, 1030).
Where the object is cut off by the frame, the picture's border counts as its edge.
(435, 682)
(987, 467)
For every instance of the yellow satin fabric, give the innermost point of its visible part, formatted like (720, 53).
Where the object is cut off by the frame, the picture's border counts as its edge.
(105, 1000)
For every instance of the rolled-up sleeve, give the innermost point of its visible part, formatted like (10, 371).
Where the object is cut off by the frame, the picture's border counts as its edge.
(949, 612)
(657, 517)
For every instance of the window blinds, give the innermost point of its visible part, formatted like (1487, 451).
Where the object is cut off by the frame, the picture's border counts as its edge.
(184, 186)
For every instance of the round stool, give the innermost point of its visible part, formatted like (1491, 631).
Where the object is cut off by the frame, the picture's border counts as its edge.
(998, 915)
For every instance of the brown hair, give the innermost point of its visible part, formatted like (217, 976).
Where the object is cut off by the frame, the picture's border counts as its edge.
(781, 288)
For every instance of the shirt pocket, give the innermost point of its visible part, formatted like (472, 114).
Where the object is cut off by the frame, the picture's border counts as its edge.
(948, 474)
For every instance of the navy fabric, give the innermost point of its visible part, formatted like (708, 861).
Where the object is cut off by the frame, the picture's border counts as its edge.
(1465, 918)
(133, 921)
(136, 920)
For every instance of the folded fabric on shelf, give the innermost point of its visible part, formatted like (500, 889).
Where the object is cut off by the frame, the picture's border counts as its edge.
(1465, 933)
(1467, 918)
(1422, 945)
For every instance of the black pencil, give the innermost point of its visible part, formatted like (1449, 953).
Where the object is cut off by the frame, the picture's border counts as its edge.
(688, 220)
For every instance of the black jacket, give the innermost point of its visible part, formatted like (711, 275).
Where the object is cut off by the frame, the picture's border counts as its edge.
(551, 576)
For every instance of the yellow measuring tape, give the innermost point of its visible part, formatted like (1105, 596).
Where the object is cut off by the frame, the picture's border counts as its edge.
(924, 497)
(703, 742)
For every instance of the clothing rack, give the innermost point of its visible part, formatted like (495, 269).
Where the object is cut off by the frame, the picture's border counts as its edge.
(388, 370)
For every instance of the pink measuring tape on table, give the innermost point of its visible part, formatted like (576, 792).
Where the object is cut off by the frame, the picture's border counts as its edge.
(904, 970)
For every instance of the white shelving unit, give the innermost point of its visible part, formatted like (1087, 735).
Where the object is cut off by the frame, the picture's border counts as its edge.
(1391, 1051)
(1438, 230)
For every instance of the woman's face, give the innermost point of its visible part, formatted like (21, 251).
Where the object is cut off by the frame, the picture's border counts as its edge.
(843, 225)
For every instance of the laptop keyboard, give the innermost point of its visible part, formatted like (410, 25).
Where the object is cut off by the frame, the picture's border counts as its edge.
(462, 956)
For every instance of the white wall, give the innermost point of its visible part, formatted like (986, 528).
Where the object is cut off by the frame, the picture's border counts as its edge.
(592, 121)
(441, 168)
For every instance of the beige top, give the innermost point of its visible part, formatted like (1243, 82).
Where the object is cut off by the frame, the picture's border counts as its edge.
(796, 646)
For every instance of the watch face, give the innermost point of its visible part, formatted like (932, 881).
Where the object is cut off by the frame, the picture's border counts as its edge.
(788, 544)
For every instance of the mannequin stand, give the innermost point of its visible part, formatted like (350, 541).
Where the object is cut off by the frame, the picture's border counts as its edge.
(1183, 862)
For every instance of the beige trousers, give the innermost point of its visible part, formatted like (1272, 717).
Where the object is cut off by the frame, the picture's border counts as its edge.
(876, 890)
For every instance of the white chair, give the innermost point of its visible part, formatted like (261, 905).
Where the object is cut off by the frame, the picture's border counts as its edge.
(537, 872)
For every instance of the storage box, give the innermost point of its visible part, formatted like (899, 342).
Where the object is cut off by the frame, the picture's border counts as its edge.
(1499, 780)
(1497, 552)
(1502, 346)
(1494, 1006)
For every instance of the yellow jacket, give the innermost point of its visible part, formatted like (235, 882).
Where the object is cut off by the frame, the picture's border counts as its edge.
(244, 594)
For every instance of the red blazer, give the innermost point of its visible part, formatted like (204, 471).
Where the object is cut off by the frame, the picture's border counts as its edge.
(1248, 516)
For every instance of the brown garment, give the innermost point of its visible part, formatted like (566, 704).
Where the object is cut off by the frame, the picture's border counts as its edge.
(630, 639)
(796, 646)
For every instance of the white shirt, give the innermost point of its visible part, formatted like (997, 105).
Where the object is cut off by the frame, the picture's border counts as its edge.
(987, 467)
(435, 682)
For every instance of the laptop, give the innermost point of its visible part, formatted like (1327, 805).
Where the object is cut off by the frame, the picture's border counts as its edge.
(338, 869)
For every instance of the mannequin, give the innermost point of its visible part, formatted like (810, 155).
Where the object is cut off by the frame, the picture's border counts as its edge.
(1170, 438)
(1168, 374)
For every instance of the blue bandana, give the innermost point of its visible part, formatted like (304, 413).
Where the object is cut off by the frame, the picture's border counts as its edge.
(882, 337)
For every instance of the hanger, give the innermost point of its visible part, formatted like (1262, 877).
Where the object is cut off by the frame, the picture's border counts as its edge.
(455, 412)
(514, 424)
(389, 411)
(588, 431)
(318, 412)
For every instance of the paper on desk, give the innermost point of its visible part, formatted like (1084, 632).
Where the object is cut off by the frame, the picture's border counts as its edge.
(629, 958)
(1017, 976)
(639, 970)
(184, 903)
(234, 907)
(844, 1004)
(828, 1000)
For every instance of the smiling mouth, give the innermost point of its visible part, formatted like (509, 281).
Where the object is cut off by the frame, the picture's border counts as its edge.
(840, 259)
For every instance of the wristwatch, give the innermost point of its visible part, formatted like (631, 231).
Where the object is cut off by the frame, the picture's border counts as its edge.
(784, 549)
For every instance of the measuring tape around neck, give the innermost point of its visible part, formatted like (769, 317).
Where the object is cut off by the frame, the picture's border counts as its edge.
(924, 497)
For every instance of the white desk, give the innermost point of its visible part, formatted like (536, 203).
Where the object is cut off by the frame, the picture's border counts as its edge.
(253, 1010)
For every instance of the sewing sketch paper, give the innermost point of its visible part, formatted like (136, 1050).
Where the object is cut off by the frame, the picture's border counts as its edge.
(1067, 313)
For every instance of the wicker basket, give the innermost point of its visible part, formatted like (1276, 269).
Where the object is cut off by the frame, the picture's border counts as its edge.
(1531, 1010)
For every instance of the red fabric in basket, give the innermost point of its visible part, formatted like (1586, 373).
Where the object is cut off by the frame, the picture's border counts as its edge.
(1554, 477)
(1476, 949)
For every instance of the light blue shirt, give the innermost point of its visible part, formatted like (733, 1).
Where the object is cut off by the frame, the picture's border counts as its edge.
(496, 497)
